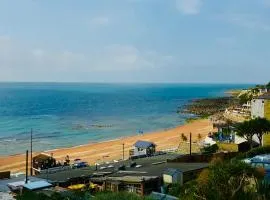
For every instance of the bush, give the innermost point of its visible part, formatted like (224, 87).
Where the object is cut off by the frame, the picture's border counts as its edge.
(81, 196)
(55, 196)
(228, 180)
(210, 149)
(119, 196)
(253, 152)
(174, 189)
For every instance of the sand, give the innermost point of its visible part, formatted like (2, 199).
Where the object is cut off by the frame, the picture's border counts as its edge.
(111, 150)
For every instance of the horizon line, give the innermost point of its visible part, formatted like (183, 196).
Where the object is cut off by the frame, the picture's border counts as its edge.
(112, 82)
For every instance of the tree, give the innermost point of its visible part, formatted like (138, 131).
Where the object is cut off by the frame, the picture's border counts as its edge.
(210, 149)
(227, 130)
(199, 137)
(245, 130)
(227, 180)
(244, 98)
(268, 85)
(183, 137)
(260, 126)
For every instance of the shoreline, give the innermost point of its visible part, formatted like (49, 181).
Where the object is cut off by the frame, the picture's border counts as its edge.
(93, 152)
(186, 121)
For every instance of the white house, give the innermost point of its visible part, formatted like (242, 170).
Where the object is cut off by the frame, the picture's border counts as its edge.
(208, 141)
(144, 148)
(257, 108)
(260, 106)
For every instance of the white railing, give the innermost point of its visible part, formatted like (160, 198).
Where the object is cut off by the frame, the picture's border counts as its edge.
(52, 170)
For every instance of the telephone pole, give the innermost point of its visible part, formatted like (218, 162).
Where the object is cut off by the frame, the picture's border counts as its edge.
(123, 151)
(31, 154)
(190, 140)
(26, 167)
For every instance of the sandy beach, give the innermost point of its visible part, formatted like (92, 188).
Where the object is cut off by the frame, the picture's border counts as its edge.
(110, 150)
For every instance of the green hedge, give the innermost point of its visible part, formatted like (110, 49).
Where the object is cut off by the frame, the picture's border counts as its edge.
(119, 196)
(210, 149)
(81, 196)
(253, 152)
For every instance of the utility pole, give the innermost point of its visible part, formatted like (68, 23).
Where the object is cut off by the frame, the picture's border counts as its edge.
(31, 154)
(190, 140)
(26, 168)
(123, 151)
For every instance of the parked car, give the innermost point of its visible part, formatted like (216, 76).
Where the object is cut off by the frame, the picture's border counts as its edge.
(79, 164)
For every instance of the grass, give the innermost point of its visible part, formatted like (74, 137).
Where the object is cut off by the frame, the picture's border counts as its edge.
(227, 147)
(184, 148)
(266, 140)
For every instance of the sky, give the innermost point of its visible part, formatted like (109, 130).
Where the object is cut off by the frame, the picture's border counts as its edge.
(219, 41)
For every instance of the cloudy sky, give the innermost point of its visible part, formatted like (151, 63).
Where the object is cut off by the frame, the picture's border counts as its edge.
(135, 40)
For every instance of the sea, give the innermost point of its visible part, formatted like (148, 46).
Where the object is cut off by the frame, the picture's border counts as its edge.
(71, 114)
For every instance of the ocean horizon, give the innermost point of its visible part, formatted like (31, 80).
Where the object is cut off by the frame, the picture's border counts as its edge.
(71, 114)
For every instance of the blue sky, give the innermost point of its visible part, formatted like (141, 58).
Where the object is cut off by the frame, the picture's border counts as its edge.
(135, 40)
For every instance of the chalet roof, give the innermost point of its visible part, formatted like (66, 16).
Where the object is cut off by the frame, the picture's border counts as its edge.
(171, 171)
(7, 184)
(37, 185)
(144, 144)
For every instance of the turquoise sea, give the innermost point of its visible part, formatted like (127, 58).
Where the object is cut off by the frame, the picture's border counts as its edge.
(69, 114)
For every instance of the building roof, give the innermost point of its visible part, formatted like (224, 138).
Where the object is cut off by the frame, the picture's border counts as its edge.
(134, 179)
(171, 171)
(160, 196)
(64, 176)
(37, 185)
(264, 96)
(41, 157)
(254, 143)
(19, 181)
(144, 144)
(150, 166)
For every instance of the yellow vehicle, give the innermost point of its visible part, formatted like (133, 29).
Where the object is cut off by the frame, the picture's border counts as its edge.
(77, 187)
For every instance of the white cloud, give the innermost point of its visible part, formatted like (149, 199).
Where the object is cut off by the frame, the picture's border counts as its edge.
(100, 21)
(189, 7)
(250, 21)
(38, 52)
(266, 3)
(21, 62)
(4, 38)
(226, 41)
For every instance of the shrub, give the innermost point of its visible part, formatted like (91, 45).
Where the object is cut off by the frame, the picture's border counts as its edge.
(81, 196)
(227, 180)
(119, 196)
(253, 152)
(210, 149)
(55, 196)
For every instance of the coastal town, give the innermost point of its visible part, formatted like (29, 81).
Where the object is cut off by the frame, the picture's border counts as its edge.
(222, 152)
